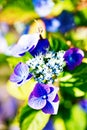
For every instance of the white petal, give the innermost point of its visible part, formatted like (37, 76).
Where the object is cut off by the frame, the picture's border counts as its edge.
(28, 40)
(36, 103)
(55, 106)
(25, 43)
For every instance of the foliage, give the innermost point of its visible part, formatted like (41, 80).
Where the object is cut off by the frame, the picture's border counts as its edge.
(32, 120)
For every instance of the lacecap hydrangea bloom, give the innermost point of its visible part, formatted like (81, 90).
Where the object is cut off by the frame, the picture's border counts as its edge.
(45, 66)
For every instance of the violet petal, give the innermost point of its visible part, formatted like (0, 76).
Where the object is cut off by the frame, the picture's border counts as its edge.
(39, 90)
(48, 108)
(51, 96)
(36, 103)
(29, 76)
(51, 107)
(56, 98)
(15, 78)
(42, 46)
(21, 69)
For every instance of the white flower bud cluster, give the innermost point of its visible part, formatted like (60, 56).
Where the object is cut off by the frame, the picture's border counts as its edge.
(46, 68)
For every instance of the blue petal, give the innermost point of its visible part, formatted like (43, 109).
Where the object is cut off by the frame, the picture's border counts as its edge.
(35, 102)
(56, 98)
(19, 83)
(48, 108)
(29, 76)
(39, 90)
(21, 69)
(42, 46)
(22, 54)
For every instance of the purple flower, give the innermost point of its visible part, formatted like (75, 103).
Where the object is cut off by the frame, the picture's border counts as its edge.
(63, 22)
(73, 57)
(21, 74)
(42, 46)
(83, 104)
(43, 7)
(44, 97)
(26, 43)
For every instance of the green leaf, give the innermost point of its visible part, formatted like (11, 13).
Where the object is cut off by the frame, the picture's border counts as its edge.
(59, 124)
(33, 120)
(18, 10)
(74, 83)
(61, 5)
(21, 92)
(57, 42)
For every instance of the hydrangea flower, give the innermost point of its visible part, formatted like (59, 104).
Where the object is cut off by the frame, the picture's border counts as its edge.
(44, 97)
(21, 74)
(43, 7)
(63, 22)
(26, 43)
(52, 24)
(73, 57)
(83, 104)
(66, 20)
(45, 66)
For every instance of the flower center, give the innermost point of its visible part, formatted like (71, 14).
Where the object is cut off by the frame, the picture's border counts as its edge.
(46, 68)
(45, 97)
